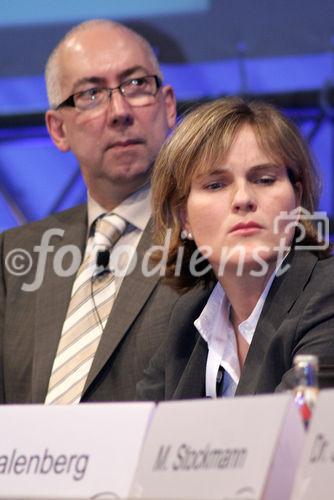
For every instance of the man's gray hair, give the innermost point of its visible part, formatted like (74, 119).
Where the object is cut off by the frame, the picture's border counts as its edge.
(53, 69)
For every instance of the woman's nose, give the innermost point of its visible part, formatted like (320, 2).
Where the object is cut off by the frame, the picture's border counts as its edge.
(243, 198)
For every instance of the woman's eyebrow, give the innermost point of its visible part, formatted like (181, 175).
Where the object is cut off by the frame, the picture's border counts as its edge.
(217, 171)
(261, 167)
(265, 166)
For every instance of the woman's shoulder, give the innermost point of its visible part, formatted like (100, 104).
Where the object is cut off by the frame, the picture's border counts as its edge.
(325, 268)
(320, 282)
(305, 262)
(190, 304)
(195, 296)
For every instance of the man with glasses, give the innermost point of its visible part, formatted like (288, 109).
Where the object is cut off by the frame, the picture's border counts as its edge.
(77, 337)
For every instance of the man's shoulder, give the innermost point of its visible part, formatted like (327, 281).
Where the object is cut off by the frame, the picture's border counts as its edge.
(75, 215)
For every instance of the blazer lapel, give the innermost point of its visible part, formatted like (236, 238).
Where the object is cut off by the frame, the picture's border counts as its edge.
(192, 382)
(132, 296)
(284, 292)
(53, 299)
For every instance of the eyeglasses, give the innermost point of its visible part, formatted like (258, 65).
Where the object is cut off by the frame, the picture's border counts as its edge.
(137, 91)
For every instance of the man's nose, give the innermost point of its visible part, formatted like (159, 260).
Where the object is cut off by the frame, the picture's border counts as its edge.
(119, 110)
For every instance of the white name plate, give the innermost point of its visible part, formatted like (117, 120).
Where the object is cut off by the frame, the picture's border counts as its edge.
(245, 448)
(84, 451)
(315, 474)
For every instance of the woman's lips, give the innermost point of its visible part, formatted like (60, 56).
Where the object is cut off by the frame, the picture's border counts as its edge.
(246, 227)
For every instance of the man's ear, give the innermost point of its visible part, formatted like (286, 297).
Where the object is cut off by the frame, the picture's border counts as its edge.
(170, 105)
(57, 130)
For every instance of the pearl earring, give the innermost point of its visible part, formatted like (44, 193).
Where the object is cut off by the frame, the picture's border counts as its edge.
(185, 235)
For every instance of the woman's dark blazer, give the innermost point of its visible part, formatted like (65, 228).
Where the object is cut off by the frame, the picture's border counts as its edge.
(297, 318)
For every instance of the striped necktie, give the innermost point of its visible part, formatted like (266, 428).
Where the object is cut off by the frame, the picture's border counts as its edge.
(93, 294)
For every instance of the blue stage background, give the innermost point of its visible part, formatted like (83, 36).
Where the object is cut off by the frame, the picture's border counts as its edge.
(277, 49)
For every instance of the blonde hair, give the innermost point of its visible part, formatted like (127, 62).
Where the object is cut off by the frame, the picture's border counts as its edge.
(205, 136)
(53, 67)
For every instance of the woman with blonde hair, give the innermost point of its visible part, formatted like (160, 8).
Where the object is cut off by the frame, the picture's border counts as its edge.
(235, 189)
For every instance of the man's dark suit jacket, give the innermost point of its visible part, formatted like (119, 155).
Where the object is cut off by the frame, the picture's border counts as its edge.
(31, 322)
(297, 318)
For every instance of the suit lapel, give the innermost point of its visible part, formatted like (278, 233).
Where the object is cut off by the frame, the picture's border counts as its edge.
(132, 296)
(185, 370)
(284, 292)
(192, 382)
(53, 298)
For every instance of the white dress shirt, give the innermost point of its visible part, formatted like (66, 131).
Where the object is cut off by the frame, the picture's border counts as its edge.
(136, 210)
(215, 327)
